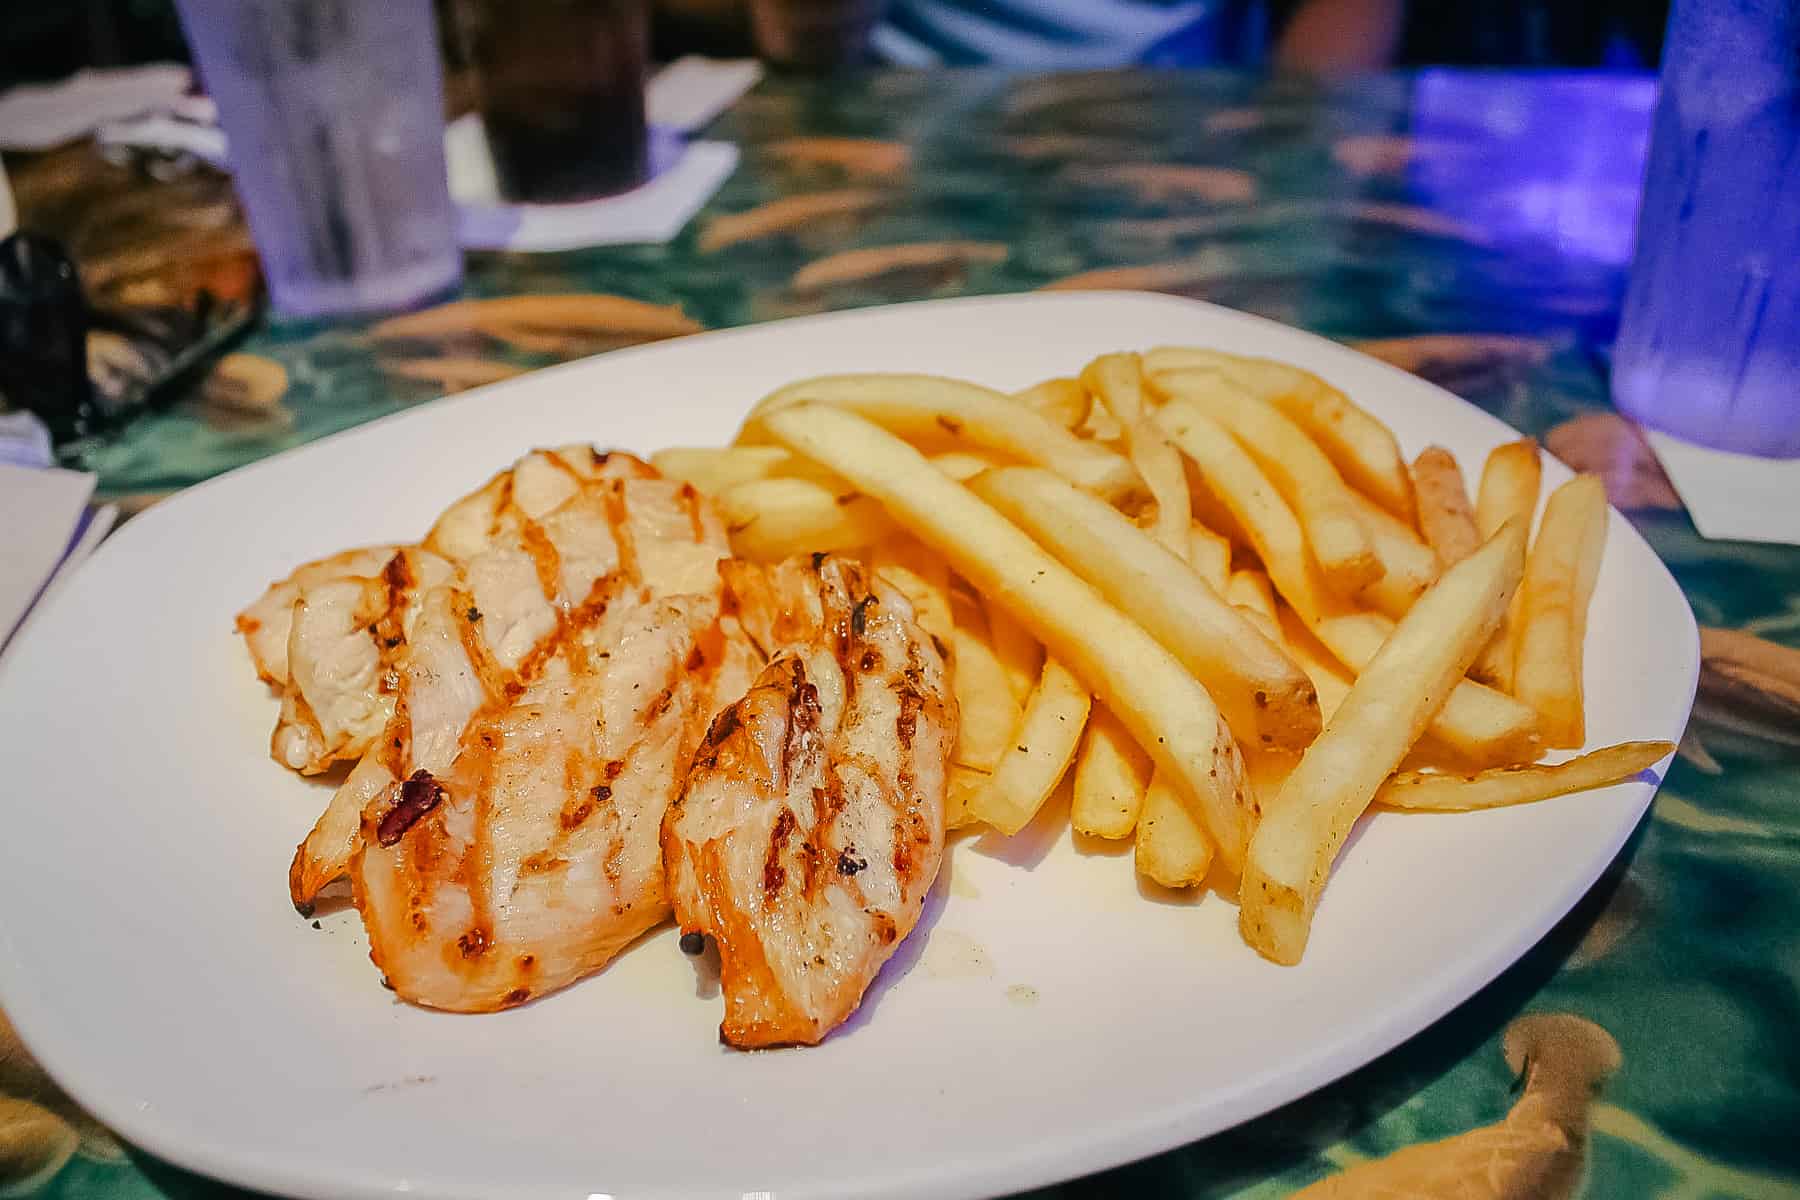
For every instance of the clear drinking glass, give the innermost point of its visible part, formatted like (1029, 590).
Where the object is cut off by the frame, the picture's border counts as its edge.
(335, 114)
(1709, 345)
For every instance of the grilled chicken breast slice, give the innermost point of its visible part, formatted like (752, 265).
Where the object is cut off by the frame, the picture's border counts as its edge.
(534, 858)
(811, 825)
(524, 552)
(344, 636)
(548, 704)
(267, 623)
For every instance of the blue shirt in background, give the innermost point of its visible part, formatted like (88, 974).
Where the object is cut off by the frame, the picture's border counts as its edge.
(1062, 34)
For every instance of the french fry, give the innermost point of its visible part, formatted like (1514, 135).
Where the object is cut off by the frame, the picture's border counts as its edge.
(1408, 565)
(1481, 725)
(1358, 444)
(1267, 771)
(1299, 469)
(1388, 707)
(1509, 485)
(776, 518)
(1432, 791)
(1111, 773)
(928, 406)
(1328, 676)
(922, 577)
(1117, 380)
(1042, 747)
(1160, 466)
(1559, 581)
(1101, 425)
(712, 470)
(1209, 554)
(1250, 589)
(961, 786)
(1509, 488)
(960, 464)
(1064, 401)
(1173, 848)
(1019, 653)
(1165, 708)
(1445, 516)
(987, 713)
(1262, 693)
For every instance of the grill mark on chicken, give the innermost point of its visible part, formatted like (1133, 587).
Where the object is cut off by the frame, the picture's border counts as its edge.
(544, 556)
(690, 500)
(618, 516)
(774, 875)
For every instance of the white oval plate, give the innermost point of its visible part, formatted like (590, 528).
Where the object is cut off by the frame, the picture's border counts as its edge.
(1045, 1021)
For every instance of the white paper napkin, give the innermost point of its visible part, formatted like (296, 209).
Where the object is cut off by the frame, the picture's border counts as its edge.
(58, 532)
(43, 116)
(1733, 497)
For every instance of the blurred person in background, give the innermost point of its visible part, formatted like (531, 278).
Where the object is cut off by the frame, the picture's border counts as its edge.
(1318, 36)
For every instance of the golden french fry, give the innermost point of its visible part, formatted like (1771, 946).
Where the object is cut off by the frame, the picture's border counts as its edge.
(1328, 676)
(712, 470)
(931, 406)
(1042, 747)
(1262, 693)
(1267, 771)
(1408, 564)
(1117, 380)
(1160, 466)
(1101, 425)
(1388, 707)
(1250, 589)
(960, 464)
(1299, 469)
(1064, 401)
(1019, 653)
(922, 577)
(773, 519)
(987, 711)
(1431, 791)
(1209, 554)
(1445, 516)
(1167, 710)
(1559, 581)
(1172, 848)
(1481, 725)
(1509, 485)
(1111, 773)
(961, 785)
(1509, 488)
(1358, 444)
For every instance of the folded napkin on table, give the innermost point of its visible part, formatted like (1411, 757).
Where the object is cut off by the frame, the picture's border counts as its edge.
(1733, 497)
(49, 528)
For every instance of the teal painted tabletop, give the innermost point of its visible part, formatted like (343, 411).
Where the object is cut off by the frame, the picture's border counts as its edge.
(1469, 227)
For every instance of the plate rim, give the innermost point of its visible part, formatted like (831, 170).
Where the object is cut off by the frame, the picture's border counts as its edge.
(1130, 1137)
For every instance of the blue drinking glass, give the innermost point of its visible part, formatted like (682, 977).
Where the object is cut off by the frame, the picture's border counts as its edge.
(1709, 344)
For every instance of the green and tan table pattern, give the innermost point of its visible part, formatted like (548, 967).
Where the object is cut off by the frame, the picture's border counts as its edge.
(1650, 1047)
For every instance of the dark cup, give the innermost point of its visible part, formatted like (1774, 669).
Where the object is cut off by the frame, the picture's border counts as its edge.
(815, 34)
(560, 84)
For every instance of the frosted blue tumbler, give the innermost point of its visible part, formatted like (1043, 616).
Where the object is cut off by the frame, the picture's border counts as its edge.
(334, 110)
(1709, 345)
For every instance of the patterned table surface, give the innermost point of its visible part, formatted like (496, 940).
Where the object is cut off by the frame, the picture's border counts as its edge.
(1468, 227)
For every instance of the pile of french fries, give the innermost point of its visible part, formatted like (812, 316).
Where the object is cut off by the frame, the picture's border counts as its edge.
(1210, 590)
